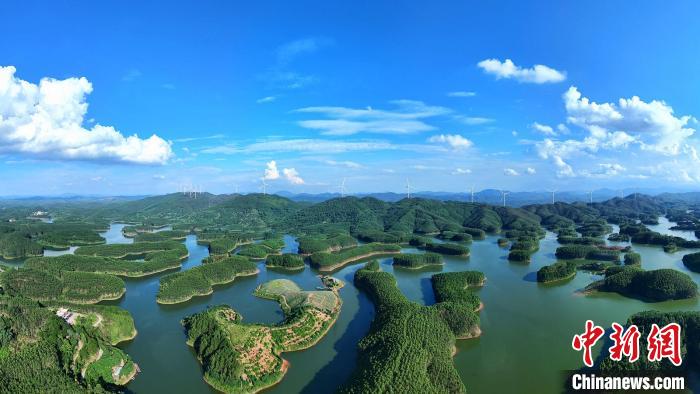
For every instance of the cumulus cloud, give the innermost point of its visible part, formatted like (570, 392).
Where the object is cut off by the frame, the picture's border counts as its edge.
(406, 118)
(510, 172)
(461, 94)
(508, 70)
(293, 176)
(650, 127)
(454, 141)
(46, 121)
(461, 171)
(271, 171)
(530, 171)
(653, 125)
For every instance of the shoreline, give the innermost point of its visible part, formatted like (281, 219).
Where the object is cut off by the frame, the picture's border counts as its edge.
(329, 268)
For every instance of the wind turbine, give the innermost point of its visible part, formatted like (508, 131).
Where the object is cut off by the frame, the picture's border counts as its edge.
(504, 194)
(553, 191)
(590, 196)
(472, 193)
(622, 193)
(342, 188)
(408, 189)
(264, 185)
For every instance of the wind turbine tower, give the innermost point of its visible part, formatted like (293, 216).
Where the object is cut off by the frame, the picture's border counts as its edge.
(264, 186)
(472, 193)
(590, 196)
(553, 191)
(504, 194)
(342, 188)
(408, 189)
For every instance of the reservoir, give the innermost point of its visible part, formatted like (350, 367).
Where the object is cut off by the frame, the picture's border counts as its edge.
(527, 327)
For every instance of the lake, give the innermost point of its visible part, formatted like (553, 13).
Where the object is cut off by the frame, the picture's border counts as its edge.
(527, 326)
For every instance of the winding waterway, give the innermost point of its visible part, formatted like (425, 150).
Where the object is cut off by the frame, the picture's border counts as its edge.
(527, 326)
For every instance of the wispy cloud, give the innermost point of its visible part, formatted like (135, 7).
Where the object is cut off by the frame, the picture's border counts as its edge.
(473, 120)
(287, 52)
(461, 94)
(190, 139)
(303, 146)
(406, 118)
(267, 99)
(131, 75)
(508, 70)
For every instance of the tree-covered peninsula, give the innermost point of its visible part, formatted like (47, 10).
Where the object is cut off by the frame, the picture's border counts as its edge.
(242, 357)
(409, 347)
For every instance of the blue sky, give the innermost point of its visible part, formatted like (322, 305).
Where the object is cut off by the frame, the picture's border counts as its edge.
(567, 95)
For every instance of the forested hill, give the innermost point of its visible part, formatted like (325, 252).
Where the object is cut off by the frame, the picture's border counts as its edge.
(259, 212)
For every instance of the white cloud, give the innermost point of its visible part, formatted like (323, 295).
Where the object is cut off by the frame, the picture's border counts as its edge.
(303, 145)
(271, 172)
(633, 126)
(291, 50)
(346, 163)
(454, 141)
(652, 124)
(46, 121)
(97, 179)
(292, 176)
(405, 119)
(461, 94)
(530, 171)
(461, 171)
(510, 172)
(159, 177)
(507, 69)
(473, 120)
(267, 99)
(544, 129)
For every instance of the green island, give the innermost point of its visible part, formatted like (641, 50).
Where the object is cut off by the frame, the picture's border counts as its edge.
(329, 261)
(241, 357)
(409, 347)
(198, 281)
(692, 261)
(651, 286)
(72, 286)
(416, 261)
(617, 237)
(262, 249)
(158, 259)
(559, 271)
(587, 252)
(523, 248)
(332, 243)
(446, 248)
(167, 235)
(289, 261)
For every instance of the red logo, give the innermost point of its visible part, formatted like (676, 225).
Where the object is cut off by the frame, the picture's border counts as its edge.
(665, 343)
(661, 342)
(625, 343)
(587, 340)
